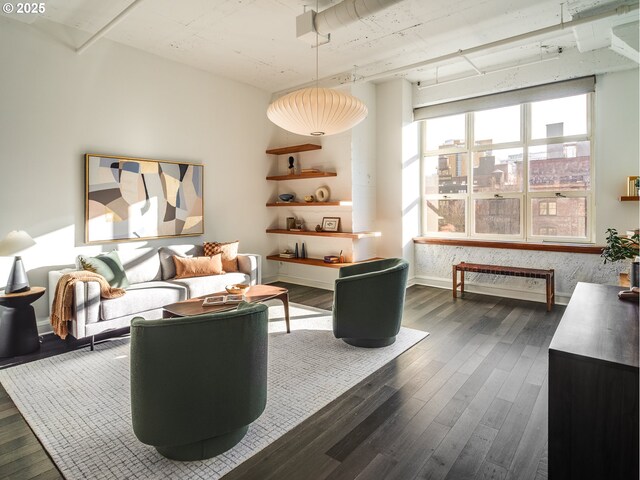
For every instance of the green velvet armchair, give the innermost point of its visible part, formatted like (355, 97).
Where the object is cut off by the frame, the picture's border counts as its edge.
(368, 302)
(198, 382)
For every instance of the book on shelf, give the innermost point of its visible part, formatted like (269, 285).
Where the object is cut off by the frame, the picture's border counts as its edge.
(222, 299)
(288, 255)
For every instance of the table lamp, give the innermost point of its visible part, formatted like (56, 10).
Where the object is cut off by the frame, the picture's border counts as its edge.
(15, 242)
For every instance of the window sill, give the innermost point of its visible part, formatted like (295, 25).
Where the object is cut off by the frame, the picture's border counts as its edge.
(544, 247)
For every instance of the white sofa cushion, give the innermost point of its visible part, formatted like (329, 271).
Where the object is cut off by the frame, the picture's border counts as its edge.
(141, 265)
(167, 253)
(199, 286)
(142, 297)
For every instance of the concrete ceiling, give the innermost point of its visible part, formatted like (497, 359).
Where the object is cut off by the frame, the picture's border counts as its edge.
(254, 41)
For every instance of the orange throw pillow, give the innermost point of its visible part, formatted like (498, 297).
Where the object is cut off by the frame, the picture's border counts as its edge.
(229, 251)
(187, 267)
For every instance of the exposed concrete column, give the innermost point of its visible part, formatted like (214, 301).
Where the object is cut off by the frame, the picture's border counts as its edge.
(398, 171)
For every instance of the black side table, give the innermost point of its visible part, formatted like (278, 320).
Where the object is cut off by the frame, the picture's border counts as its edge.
(18, 329)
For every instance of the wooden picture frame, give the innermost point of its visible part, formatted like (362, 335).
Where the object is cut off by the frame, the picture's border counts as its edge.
(632, 186)
(130, 199)
(330, 224)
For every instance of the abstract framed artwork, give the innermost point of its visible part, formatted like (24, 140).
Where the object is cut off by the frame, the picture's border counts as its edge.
(137, 199)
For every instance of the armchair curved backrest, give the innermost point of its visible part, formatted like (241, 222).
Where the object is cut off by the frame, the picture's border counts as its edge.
(368, 302)
(198, 382)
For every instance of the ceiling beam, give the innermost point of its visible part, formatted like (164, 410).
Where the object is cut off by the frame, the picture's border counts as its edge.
(104, 30)
(624, 40)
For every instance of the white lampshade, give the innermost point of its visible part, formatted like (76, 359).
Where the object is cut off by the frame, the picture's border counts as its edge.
(317, 111)
(14, 242)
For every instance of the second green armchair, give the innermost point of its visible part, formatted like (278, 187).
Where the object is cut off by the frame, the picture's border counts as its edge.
(368, 302)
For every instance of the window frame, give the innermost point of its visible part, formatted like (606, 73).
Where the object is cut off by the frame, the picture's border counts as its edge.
(525, 195)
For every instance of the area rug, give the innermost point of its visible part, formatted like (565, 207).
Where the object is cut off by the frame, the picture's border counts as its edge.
(78, 403)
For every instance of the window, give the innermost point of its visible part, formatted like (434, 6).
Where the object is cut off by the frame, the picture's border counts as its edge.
(520, 172)
(547, 207)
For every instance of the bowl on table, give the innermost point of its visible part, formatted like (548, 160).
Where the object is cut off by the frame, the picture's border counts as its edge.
(237, 288)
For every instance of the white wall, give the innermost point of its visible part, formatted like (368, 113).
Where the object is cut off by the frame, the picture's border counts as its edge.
(57, 105)
(617, 153)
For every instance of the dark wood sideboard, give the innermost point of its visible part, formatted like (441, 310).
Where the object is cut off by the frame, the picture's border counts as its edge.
(593, 387)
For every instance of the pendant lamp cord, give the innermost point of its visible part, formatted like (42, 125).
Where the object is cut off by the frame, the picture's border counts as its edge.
(317, 62)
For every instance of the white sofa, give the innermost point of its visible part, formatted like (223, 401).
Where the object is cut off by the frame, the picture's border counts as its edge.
(151, 273)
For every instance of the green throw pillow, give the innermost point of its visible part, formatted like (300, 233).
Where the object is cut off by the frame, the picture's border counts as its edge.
(108, 265)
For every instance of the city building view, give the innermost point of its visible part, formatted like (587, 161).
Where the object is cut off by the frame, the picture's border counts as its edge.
(556, 168)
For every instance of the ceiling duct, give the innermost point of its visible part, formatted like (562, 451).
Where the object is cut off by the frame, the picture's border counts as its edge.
(336, 17)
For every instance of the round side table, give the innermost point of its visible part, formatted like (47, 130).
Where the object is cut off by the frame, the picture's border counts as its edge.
(18, 329)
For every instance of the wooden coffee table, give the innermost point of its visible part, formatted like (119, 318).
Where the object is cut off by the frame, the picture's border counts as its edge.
(257, 293)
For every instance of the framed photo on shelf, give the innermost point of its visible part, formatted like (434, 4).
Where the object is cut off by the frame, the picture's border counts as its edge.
(633, 186)
(331, 224)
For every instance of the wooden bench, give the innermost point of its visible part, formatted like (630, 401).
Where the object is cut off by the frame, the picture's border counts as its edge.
(548, 275)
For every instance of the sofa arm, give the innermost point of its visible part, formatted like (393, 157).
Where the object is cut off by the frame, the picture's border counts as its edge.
(251, 264)
(86, 302)
(54, 277)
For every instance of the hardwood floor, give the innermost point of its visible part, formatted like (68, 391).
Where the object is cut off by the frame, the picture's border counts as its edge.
(467, 402)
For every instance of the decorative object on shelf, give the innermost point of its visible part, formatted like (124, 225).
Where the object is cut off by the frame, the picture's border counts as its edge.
(331, 224)
(317, 111)
(286, 197)
(341, 257)
(620, 248)
(287, 254)
(633, 186)
(297, 252)
(318, 228)
(632, 295)
(304, 251)
(294, 166)
(322, 194)
(237, 288)
(309, 198)
(299, 224)
(291, 223)
(14, 242)
(331, 259)
(137, 199)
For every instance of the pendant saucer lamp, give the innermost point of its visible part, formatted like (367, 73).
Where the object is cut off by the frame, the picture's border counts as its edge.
(317, 111)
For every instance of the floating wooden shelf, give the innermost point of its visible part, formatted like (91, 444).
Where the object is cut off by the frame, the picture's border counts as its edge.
(315, 262)
(307, 147)
(342, 203)
(629, 199)
(303, 176)
(310, 233)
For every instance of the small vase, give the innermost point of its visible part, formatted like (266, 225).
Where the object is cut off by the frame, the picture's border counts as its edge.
(304, 251)
(297, 253)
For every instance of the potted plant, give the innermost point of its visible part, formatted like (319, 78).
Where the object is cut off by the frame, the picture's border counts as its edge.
(620, 248)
